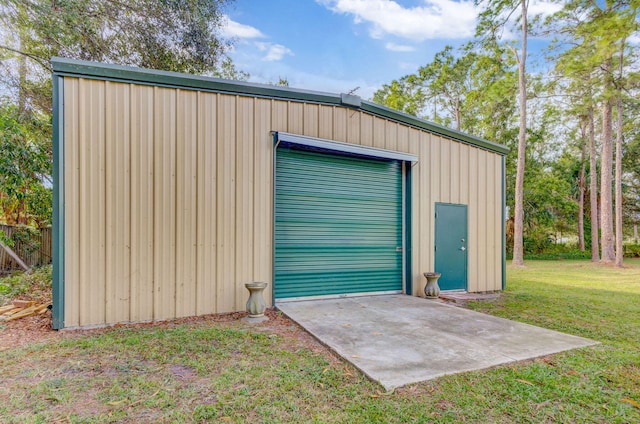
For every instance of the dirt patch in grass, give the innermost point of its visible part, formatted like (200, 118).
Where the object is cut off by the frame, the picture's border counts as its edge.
(34, 286)
(187, 370)
(37, 329)
(21, 332)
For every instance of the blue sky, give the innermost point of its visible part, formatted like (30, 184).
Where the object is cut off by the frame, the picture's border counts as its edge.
(339, 45)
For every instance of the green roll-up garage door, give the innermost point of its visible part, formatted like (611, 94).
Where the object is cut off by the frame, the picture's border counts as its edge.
(338, 225)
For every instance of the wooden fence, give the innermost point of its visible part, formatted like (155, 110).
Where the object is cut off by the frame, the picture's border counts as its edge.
(34, 252)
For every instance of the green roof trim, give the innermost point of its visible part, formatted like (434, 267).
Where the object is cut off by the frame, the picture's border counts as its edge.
(414, 121)
(95, 70)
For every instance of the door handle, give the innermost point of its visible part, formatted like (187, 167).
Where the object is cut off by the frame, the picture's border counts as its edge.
(463, 248)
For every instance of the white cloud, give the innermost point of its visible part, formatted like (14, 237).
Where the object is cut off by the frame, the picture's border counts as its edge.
(434, 19)
(235, 29)
(634, 39)
(398, 47)
(247, 35)
(543, 7)
(275, 52)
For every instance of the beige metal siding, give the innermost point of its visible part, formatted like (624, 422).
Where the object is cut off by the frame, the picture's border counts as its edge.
(72, 203)
(325, 122)
(168, 196)
(207, 206)
(366, 130)
(245, 208)
(339, 124)
(186, 203)
(92, 203)
(117, 202)
(311, 119)
(164, 210)
(262, 195)
(141, 238)
(226, 193)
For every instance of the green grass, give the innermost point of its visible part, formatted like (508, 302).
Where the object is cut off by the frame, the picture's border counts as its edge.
(228, 372)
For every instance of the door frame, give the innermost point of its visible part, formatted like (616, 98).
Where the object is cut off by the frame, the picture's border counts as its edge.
(435, 237)
(407, 160)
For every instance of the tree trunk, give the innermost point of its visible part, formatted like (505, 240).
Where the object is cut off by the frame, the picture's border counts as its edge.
(518, 230)
(22, 72)
(619, 234)
(606, 164)
(593, 189)
(581, 185)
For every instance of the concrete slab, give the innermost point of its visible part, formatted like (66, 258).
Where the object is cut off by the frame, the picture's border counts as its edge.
(462, 298)
(398, 339)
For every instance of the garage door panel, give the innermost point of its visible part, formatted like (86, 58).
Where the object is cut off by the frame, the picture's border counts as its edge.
(339, 193)
(342, 232)
(296, 285)
(338, 224)
(297, 260)
(350, 201)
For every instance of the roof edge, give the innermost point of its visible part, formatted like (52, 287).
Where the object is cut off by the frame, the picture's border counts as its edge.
(432, 127)
(82, 68)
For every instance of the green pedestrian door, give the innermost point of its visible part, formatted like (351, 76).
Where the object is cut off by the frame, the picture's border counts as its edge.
(451, 246)
(338, 224)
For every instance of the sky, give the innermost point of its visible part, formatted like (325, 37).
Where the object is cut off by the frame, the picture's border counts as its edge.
(342, 46)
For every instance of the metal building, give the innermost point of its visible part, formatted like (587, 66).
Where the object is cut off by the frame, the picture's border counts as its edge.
(172, 191)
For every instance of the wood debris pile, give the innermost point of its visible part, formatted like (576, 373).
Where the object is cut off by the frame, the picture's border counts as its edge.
(22, 308)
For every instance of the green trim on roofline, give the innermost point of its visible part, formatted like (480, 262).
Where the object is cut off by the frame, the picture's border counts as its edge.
(414, 121)
(95, 70)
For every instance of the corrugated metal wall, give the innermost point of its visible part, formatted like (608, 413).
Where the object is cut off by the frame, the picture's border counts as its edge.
(168, 196)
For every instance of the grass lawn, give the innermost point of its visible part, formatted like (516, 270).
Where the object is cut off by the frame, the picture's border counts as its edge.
(225, 371)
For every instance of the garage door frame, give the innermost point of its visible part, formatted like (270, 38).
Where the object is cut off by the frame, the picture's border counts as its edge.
(281, 139)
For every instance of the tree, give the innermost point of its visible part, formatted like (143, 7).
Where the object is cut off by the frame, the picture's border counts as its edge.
(406, 95)
(606, 163)
(618, 167)
(594, 33)
(631, 163)
(593, 189)
(580, 97)
(24, 166)
(282, 82)
(581, 183)
(468, 89)
(447, 80)
(493, 18)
